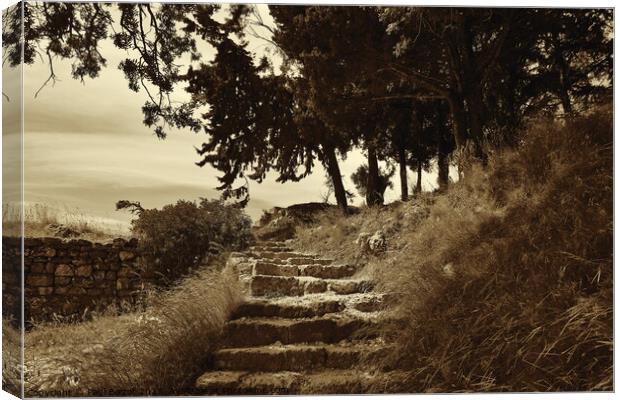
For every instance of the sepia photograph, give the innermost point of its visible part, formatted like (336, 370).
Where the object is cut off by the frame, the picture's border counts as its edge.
(210, 199)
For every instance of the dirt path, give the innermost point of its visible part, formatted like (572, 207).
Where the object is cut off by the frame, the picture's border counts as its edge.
(305, 327)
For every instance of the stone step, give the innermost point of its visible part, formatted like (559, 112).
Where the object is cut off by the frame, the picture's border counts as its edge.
(292, 257)
(334, 328)
(270, 243)
(275, 249)
(309, 260)
(296, 357)
(309, 306)
(315, 270)
(300, 260)
(271, 286)
(260, 307)
(289, 382)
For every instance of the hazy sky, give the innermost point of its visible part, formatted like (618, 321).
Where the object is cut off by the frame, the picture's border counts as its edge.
(86, 147)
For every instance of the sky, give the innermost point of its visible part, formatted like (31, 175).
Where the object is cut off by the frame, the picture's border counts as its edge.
(85, 147)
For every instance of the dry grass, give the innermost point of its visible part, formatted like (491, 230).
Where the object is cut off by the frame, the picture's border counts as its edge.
(507, 284)
(336, 236)
(156, 352)
(45, 220)
(11, 359)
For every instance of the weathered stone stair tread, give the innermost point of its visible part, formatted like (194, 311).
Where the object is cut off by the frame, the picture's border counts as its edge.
(262, 248)
(314, 270)
(289, 382)
(296, 357)
(327, 329)
(306, 326)
(311, 305)
(291, 258)
(270, 285)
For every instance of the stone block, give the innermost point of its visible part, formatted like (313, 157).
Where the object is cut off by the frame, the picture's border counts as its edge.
(126, 255)
(41, 268)
(99, 275)
(61, 290)
(122, 284)
(84, 270)
(126, 272)
(39, 280)
(45, 291)
(76, 290)
(62, 280)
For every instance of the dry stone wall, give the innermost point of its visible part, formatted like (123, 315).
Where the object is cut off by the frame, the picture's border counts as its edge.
(70, 278)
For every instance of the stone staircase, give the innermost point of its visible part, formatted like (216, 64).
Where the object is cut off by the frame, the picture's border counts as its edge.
(305, 327)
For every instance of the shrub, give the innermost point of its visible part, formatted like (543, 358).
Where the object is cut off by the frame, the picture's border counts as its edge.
(177, 238)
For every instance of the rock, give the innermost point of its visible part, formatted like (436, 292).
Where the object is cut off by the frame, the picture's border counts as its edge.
(122, 284)
(126, 255)
(362, 241)
(377, 242)
(49, 252)
(40, 280)
(119, 242)
(84, 270)
(110, 275)
(99, 275)
(62, 280)
(448, 270)
(374, 244)
(125, 272)
(45, 291)
(41, 268)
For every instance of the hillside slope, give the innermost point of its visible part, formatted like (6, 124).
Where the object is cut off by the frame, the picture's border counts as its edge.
(504, 282)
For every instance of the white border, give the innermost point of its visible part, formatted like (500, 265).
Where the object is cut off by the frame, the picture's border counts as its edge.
(477, 3)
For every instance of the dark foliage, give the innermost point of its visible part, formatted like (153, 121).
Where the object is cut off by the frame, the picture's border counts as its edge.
(178, 237)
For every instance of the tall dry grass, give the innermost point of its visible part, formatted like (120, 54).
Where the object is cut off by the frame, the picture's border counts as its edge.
(506, 285)
(156, 352)
(43, 220)
(11, 359)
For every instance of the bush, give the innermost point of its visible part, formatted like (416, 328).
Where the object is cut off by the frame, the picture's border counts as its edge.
(177, 238)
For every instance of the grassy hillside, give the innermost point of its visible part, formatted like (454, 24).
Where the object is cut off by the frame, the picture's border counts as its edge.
(504, 282)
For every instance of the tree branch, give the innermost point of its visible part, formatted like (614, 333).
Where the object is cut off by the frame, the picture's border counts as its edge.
(52, 76)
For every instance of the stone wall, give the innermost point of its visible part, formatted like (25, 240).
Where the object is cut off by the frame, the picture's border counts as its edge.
(70, 278)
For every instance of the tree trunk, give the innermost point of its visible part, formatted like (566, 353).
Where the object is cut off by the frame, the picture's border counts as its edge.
(443, 166)
(459, 128)
(566, 103)
(402, 161)
(373, 195)
(564, 84)
(476, 111)
(333, 169)
(418, 185)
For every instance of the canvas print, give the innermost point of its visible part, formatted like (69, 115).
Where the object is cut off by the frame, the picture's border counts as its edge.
(252, 199)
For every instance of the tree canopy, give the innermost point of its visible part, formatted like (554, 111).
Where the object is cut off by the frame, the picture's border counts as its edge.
(409, 85)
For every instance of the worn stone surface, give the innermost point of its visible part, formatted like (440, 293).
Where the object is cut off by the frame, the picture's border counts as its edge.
(306, 326)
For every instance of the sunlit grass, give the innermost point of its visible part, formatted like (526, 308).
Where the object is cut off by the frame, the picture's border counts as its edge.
(45, 220)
